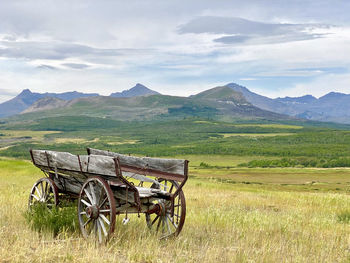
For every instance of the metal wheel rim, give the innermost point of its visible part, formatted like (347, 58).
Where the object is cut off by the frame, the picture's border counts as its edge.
(44, 191)
(96, 194)
(166, 225)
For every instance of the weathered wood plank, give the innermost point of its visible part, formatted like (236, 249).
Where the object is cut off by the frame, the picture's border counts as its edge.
(102, 162)
(66, 184)
(174, 166)
(90, 164)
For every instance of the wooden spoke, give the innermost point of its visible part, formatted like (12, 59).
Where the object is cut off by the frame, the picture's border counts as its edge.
(46, 191)
(172, 221)
(159, 221)
(105, 219)
(87, 222)
(165, 185)
(99, 212)
(89, 196)
(38, 191)
(103, 227)
(167, 224)
(103, 202)
(93, 194)
(99, 231)
(37, 198)
(85, 203)
(154, 220)
(42, 190)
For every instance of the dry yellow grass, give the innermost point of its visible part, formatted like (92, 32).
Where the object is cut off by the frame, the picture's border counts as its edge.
(226, 135)
(123, 142)
(280, 126)
(36, 135)
(225, 223)
(69, 140)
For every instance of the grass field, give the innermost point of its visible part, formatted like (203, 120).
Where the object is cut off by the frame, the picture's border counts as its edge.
(259, 144)
(233, 215)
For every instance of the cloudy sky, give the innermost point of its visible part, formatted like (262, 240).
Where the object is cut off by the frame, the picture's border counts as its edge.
(276, 48)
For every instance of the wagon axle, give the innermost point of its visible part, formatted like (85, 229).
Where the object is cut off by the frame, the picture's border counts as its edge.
(157, 209)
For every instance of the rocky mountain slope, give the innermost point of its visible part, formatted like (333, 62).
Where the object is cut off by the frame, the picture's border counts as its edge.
(46, 103)
(332, 107)
(26, 98)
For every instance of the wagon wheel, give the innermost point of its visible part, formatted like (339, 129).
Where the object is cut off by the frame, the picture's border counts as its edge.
(163, 222)
(44, 191)
(96, 209)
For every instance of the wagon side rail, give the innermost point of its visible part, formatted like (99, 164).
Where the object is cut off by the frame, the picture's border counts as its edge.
(75, 167)
(168, 169)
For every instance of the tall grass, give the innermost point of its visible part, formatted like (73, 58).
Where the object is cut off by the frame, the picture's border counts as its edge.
(55, 220)
(225, 223)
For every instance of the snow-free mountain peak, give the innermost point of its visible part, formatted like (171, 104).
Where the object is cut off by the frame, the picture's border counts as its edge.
(223, 93)
(136, 91)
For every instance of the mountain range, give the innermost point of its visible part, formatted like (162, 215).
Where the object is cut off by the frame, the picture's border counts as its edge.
(228, 101)
(219, 102)
(332, 107)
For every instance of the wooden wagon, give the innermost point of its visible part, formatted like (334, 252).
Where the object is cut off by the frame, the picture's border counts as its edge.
(107, 184)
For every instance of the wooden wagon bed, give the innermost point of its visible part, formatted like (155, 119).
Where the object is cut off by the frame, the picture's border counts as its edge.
(107, 183)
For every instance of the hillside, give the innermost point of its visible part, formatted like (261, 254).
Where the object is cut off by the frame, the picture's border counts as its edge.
(26, 98)
(221, 103)
(46, 103)
(221, 93)
(331, 107)
(24, 102)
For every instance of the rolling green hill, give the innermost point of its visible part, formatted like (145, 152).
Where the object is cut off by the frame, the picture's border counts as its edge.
(221, 103)
(222, 93)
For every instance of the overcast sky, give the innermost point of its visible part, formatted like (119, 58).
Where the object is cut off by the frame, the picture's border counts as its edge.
(275, 48)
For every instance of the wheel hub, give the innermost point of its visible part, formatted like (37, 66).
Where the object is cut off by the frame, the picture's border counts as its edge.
(162, 209)
(92, 212)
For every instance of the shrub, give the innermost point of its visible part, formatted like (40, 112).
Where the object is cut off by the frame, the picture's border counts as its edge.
(55, 220)
(344, 217)
(204, 165)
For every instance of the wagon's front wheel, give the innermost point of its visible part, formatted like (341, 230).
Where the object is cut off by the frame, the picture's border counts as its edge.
(96, 209)
(45, 192)
(164, 222)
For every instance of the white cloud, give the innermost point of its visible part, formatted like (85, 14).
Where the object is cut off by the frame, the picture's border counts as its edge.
(322, 85)
(108, 46)
(239, 31)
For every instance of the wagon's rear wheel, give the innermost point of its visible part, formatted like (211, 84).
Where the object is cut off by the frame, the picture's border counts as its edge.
(45, 192)
(96, 209)
(163, 222)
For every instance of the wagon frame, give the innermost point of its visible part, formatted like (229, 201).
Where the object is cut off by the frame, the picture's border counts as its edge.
(107, 184)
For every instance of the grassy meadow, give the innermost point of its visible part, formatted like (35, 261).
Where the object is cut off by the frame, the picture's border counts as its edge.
(257, 192)
(243, 215)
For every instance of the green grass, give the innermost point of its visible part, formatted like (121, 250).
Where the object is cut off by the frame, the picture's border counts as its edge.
(58, 220)
(344, 217)
(185, 137)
